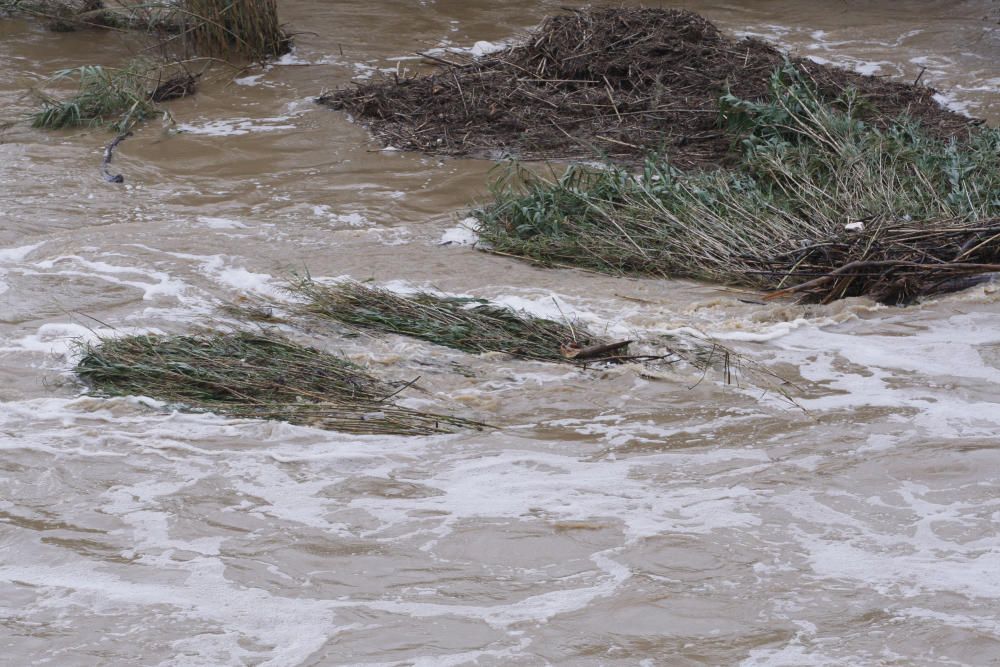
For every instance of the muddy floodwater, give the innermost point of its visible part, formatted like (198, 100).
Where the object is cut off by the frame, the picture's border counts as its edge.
(615, 517)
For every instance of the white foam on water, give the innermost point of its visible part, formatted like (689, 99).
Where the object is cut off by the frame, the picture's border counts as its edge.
(251, 80)
(230, 127)
(163, 286)
(463, 234)
(793, 654)
(220, 223)
(14, 256)
(240, 278)
(19, 254)
(352, 219)
(952, 102)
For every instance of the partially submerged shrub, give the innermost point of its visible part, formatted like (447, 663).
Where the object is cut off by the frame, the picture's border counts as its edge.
(816, 190)
(470, 325)
(254, 375)
(72, 15)
(476, 325)
(248, 28)
(115, 97)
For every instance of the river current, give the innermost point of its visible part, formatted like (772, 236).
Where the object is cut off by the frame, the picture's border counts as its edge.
(616, 517)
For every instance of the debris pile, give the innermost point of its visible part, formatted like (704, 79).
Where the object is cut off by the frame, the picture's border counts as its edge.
(617, 82)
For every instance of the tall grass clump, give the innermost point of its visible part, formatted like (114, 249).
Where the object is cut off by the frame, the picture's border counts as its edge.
(254, 375)
(248, 28)
(117, 97)
(820, 203)
(467, 324)
(476, 326)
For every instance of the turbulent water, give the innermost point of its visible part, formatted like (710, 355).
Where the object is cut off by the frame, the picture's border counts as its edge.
(616, 517)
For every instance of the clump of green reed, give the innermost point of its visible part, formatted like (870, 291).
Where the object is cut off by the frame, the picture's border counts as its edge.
(248, 28)
(476, 326)
(254, 375)
(470, 325)
(807, 170)
(117, 97)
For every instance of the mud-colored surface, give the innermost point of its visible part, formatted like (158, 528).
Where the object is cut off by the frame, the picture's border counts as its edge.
(619, 82)
(616, 519)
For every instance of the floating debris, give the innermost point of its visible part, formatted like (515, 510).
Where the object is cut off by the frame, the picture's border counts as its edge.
(606, 82)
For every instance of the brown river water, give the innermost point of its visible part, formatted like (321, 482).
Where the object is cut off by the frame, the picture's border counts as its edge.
(616, 517)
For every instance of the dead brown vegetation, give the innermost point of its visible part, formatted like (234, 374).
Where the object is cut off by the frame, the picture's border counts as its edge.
(612, 81)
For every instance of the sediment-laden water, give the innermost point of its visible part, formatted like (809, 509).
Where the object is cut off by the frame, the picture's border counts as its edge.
(616, 517)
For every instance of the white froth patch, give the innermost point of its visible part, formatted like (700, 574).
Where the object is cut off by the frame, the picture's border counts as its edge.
(164, 285)
(63, 338)
(230, 127)
(536, 608)
(484, 48)
(461, 235)
(292, 58)
(19, 254)
(240, 278)
(512, 484)
(390, 236)
(952, 103)
(353, 219)
(252, 80)
(858, 371)
(769, 333)
(14, 256)
(478, 50)
(220, 223)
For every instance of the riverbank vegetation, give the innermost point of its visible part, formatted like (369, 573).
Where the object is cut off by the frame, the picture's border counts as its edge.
(187, 35)
(254, 375)
(821, 203)
(234, 29)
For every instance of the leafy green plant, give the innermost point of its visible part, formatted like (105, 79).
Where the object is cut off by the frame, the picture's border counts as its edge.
(118, 98)
(816, 190)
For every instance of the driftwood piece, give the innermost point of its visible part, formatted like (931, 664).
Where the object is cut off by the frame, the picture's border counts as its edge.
(578, 352)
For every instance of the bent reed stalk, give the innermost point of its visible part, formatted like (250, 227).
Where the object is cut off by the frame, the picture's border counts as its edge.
(254, 375)
(462, 323)
(477, 326)
(898, 212)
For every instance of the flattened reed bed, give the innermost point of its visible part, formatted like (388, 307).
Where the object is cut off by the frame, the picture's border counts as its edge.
(615, 82)
(821, 205)
(255, 375)
(461, 323)
(476, 326)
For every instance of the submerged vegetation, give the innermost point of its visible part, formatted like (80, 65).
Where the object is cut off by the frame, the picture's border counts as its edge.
(476, 326)
(119, 98)
(225, 28)
(183, 32)
(821, 203)
(470, 325)
(254, 375)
